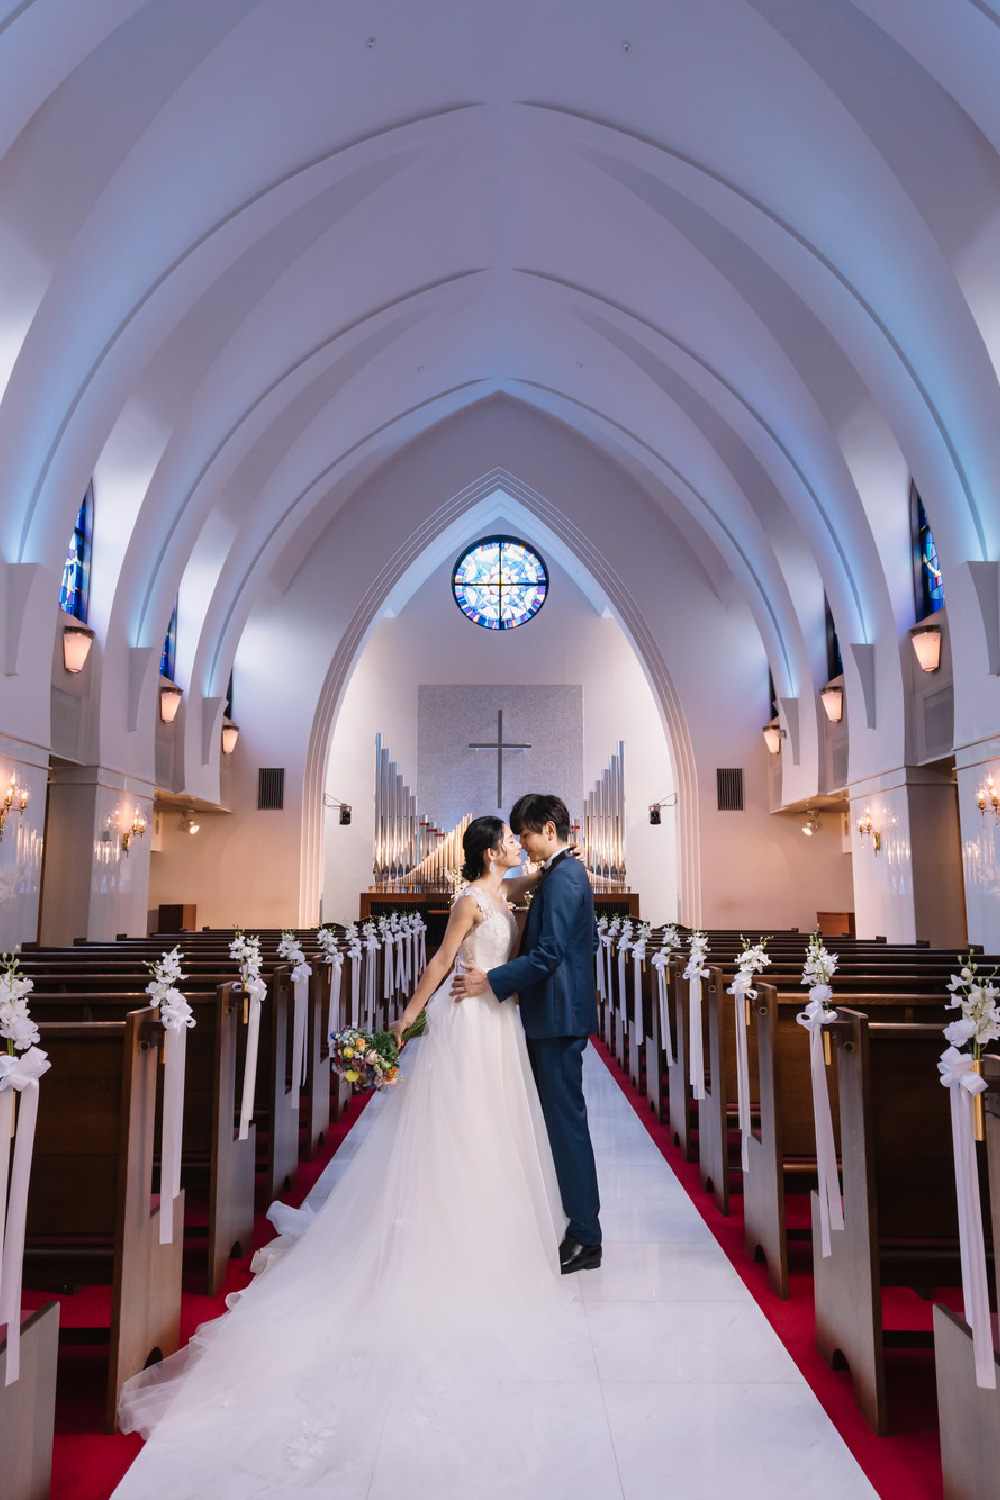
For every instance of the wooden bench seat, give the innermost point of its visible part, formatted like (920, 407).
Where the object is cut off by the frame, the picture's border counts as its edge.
(91, 1212)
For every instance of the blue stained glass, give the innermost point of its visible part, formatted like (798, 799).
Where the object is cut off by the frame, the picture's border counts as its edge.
(74, 593)
(929, 582)
(169, 654)
(500, 583)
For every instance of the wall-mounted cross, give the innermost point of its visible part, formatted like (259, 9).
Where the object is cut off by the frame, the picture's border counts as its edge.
(499, 745)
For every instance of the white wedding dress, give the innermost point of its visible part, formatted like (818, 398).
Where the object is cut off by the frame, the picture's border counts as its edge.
(413, 1340)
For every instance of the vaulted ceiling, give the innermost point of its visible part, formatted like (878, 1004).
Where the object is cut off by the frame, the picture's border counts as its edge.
(252, 250)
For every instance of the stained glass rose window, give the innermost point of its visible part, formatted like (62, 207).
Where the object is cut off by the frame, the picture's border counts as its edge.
(500, 582)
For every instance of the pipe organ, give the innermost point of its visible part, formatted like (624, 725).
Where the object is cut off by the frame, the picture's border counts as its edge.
(604, 821)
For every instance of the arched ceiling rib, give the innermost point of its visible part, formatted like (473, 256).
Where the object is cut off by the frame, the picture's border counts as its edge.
(285, 255)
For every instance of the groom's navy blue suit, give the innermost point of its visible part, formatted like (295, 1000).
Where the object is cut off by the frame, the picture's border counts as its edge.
(554, 977)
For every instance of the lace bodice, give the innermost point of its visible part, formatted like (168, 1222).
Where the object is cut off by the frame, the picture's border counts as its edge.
(489, 944)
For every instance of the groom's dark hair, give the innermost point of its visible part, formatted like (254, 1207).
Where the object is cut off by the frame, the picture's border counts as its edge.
(535, 809)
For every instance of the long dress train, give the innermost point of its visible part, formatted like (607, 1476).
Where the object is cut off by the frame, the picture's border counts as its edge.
(417, 1339)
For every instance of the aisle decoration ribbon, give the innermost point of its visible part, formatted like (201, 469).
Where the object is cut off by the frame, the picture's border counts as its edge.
(752, 960)
(694, 973)
(246, 951)
(661, 963)
(177, 1018)
(332, 955)
(371, 947)
(624, 944)
(19, 1074)
(421, 929)
(638, 960)
(388, 975)
(819, 970)
(290, 949)
(354, 953)
(602, 927)
(978, 1024)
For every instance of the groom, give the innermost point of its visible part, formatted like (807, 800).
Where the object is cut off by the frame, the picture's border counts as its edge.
(554, 976)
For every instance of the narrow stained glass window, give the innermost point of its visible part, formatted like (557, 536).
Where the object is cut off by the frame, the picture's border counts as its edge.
(74, 594)
(928, 585)
(169, 656)
(500, 582)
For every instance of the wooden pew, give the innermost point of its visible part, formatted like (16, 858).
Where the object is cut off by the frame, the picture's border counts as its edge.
(782, 1146)
(28, 1408)
(91, 1216)
(900, 1217)
(215, 1161)
(969, 1417)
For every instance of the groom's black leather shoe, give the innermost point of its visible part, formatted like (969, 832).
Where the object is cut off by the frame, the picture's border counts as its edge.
(574, 1257)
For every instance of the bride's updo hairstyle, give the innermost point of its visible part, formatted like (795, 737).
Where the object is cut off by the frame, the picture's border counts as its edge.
(481, 836)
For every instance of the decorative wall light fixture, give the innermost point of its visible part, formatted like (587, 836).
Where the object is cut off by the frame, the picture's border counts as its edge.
(170, 701)
(15, 799)
(230, 734)
(927, 647)
(833, 702)
(812, 823)
(867, 829)
(988, 797)
(135, 830)
(773, 736)
(655, 808)
(188, 823)
(77, 641)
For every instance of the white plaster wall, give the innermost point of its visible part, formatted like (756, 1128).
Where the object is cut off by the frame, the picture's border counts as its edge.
(569, 642)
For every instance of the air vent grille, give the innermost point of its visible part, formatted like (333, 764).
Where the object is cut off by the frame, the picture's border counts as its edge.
(729, 784)
(270, 788)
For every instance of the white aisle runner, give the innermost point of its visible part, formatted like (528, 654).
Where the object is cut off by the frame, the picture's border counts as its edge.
(697, 1397)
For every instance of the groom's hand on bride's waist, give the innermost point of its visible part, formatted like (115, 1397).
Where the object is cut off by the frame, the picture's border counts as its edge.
(469, 981)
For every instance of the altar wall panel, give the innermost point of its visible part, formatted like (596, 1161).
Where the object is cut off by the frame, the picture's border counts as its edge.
(454, 779)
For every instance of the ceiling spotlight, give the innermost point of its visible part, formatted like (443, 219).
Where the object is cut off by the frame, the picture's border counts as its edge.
(188, 824)
(811, 824)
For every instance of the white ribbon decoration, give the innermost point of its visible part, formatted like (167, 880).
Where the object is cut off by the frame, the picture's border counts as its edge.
(256, 990)
(404, 959)
(660, 962)
(17, 1074)
(638, 954)
(962, 1084)
(831, 1205)
(422, 956)
(174, 1060)
(300, 1026)
(741, 992)
(389, 984)
(623, 948)
(599, 965)
(336, 962)
(696, 1046)
(355, 984)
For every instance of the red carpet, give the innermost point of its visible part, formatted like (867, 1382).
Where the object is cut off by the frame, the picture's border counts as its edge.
(907, 1464)
(86, 1464)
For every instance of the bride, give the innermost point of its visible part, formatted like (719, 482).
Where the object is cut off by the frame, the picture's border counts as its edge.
(417, 1337)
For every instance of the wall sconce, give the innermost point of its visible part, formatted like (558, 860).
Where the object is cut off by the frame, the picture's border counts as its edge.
(811, 824)
(170, 702)
(230, 734)
(135, 830)
(927, 647)
(988, 797)
(15, 799)
(833, 703)
(773, 736)
(655, 808)
(77, 641)
(867, 830)
(188, 824)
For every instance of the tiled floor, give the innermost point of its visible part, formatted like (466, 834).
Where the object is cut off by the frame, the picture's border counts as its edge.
(696, 1396)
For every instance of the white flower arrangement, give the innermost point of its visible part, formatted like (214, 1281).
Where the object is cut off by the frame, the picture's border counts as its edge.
(976, 998)
(753, 960)
(327, 940)
(602, 925)
(246, 952)
(820, 966)
(369, 935)
(164, 996)
(291, 949)
(456, 882)
(671, 939)
(698, 946)
(16, 1025)
(645, 932)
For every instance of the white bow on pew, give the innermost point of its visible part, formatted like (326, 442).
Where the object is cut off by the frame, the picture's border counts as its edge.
(660, 962)
(959, 1077)
(256, 989)
(18, 1074)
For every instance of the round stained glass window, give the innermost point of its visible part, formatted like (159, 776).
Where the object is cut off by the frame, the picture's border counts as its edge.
(500, 583)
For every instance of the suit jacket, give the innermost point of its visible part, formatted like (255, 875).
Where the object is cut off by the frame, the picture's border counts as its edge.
(554, 973)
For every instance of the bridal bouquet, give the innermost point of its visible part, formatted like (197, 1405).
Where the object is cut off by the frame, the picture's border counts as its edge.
(370, 1059)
